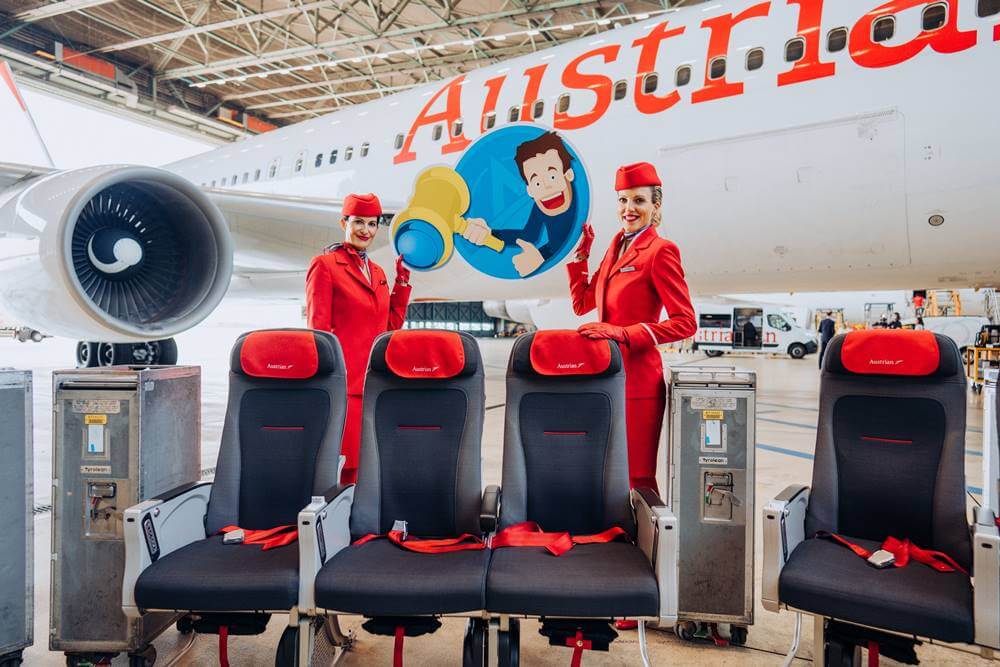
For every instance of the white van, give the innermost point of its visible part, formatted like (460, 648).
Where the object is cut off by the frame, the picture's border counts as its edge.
(742, 328)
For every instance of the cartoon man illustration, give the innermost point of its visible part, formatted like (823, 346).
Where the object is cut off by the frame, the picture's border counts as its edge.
(544, 164)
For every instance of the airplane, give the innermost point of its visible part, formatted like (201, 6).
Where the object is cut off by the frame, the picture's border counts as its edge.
(805, 145)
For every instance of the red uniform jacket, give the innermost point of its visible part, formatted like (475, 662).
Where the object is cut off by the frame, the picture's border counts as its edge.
(632, 293)
(340, 299)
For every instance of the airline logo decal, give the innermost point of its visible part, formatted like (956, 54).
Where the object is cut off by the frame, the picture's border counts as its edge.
(513, 206)
(652, 53)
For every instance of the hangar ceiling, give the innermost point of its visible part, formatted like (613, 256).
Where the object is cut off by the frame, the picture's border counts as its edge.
(225, 67)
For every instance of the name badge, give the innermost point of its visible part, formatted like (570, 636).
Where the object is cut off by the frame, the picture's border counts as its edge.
(626, 269)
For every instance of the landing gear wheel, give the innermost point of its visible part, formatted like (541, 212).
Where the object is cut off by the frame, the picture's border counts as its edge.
(737, 635)
(287, 654)
(509, 645)
(86, 355)
(474, 646)
(113, 354)
(145, 658)
(685, 630)
(796, 350)
(713, 353)
(165, 352)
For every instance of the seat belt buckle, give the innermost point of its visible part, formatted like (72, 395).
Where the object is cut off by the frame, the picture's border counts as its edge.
(234, 537)
(881, 559)
(400, 527)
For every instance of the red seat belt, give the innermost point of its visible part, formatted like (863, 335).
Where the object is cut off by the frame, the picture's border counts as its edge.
(268, 538)
(530, 534)
(223, 646)
(397, 647)
(579, 645)
(465, 542)
(902, 551)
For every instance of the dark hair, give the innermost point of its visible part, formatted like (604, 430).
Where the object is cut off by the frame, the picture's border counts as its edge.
(540, 146)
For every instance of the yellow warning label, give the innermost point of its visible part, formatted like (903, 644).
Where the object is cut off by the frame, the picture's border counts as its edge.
(90, 420)
(712, 414)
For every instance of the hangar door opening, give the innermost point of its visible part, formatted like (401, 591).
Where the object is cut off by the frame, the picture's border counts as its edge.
(465, 316)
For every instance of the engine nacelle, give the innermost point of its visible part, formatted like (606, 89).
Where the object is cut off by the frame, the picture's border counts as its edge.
(113, 253)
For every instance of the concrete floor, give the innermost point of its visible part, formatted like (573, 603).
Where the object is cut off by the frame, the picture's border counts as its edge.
(786, 420)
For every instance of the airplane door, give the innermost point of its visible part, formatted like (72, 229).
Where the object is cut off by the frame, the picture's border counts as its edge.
(748, 328)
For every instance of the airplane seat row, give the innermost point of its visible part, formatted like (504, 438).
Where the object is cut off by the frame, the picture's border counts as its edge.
(888, 477)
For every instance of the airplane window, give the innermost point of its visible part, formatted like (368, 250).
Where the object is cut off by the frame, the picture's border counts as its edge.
(456, 128)
(563, 104)
(755, 59)
(650, 82)
(319, 160)
(512, 114)
(298, 164)
(256, 175)
(836, 40)
(683, 76)
(621, 90)
(364, 149)
(537, 109)
(246, 176)
(349, 151)
(884, 29)
(491, 119)
(436, 135)
(232, 181)
(333, 156)
(213, 184)
(272, 171)
(399, 141)
(794, 50)
(988, 8)
(717, 68)
(934, 17)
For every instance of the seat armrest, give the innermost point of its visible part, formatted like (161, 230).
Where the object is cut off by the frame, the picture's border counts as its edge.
(489, 512)
(784, 527)
(324, 529)
(657, 537)
(986, 570)
(157, 527)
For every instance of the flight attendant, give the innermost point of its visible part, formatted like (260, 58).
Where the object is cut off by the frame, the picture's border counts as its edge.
(639, 277)
(348, 294)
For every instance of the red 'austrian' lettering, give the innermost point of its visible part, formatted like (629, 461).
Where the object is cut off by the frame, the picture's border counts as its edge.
(649, 49)
(809, 67)
(493, 87)
(599, 84)
(451, 113)
(718, 46)
(534, 75)
(947, 39)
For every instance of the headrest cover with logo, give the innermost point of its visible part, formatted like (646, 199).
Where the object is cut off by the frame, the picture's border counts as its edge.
(890, 352)
(286, 354)
(562, 352)
(422, 355)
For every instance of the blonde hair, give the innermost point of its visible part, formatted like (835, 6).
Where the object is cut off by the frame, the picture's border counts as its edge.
(657, 198)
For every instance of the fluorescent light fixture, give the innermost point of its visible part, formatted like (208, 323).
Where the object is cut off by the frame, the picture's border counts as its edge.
(467, 42)
(568, 26)
(533, 33)
(641, 17)
(604, 22)
(499, 38)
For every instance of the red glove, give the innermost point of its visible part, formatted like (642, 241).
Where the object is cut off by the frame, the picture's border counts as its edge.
(586, 240)
(402, 273)
(599, 330)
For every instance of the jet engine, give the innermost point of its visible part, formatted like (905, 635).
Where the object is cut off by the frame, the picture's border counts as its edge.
(113, 253)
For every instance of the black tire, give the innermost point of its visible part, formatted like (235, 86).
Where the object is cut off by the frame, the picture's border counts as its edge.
(166, 352)
(114, 354)
(737, 635)
(185, 625)
(474, 646)
(797, 350)
(509, 649)
(685, 630)
(287, 654)
(86, 354)
(714, 353)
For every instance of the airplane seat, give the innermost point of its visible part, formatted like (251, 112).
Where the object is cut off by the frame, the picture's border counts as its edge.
(419, 482)
(889, 463)
(280, 447)
(565, 468)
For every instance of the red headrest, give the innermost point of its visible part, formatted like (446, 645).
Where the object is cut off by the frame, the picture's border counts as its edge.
(289, 355)
(890, 352)
(416, 354)
(566, 352)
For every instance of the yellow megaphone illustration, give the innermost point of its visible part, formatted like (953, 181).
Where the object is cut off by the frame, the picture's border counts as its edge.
(423, 232)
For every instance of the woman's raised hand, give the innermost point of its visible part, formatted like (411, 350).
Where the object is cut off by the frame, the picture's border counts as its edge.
(402, 273)
(586, 240)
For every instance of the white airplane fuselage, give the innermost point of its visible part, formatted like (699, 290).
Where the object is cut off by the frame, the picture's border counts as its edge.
(816, 175)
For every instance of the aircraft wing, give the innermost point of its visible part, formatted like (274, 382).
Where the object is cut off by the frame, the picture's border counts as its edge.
(12, 173)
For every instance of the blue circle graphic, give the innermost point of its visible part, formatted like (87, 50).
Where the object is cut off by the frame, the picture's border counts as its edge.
(499, 196)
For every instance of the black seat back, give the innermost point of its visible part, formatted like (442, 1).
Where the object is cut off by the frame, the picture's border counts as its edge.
(421, 437)
(565, 458)
(284, 422)
(890, 444)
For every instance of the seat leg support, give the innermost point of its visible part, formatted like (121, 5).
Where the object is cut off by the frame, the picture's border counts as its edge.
(643, 648)
(796, 638)
(305, 641)
(819, 641)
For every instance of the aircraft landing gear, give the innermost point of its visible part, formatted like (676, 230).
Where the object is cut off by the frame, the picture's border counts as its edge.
(154, 353)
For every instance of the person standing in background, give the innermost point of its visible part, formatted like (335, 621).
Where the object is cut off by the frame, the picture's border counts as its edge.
(827, 330)
(896, 322)
(348, 295)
